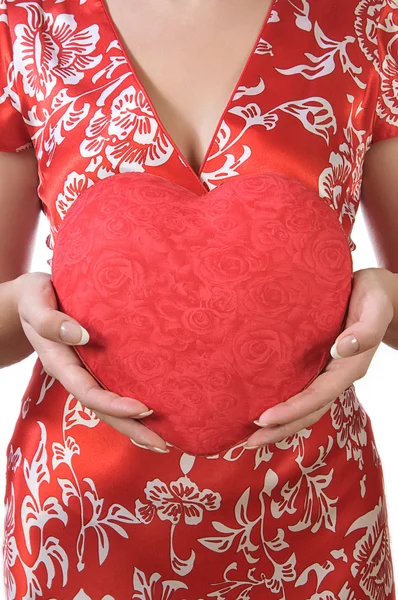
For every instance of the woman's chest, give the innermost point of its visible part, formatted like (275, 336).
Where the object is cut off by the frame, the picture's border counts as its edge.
(189, 56)
(302, 105)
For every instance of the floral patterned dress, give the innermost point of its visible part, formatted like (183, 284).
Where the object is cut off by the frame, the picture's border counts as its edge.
(89, 514)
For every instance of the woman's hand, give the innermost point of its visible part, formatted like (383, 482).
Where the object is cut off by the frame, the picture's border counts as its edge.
(43, 324)
(369, 314)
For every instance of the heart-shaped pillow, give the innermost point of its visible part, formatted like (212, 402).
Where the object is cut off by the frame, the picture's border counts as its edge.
(209, 309)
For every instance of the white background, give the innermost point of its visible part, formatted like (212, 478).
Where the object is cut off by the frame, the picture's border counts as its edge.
(378, 391)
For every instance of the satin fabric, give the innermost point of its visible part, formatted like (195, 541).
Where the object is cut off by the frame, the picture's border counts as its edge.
(89, 513)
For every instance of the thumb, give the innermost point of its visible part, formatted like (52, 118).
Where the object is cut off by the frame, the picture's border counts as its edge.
(366, 333)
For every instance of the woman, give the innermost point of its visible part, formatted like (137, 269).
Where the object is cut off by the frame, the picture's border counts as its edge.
(92, 89)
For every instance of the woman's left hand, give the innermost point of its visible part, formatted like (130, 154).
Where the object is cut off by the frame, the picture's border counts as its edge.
(369, 314)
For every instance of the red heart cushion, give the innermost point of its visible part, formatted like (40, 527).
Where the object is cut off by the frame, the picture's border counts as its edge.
(209, 309)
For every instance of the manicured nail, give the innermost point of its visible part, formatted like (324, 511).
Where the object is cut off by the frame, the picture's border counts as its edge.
(156, 449)
(334, 353)
(73, 333)
(261, 424)
(348, 346)
(143, 414)
(140, 445)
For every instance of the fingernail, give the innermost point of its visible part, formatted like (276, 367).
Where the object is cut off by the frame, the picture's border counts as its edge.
(334, 353)
(250, 447)
(73, 333)
(156, 449)
(261, 424)
(143, 414)
(348, 346)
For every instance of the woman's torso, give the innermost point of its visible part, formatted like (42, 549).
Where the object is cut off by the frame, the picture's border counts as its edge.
(189, 56)
(304, 105)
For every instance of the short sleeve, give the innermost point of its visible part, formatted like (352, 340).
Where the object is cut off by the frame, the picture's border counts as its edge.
(386, 117)
(14, 135)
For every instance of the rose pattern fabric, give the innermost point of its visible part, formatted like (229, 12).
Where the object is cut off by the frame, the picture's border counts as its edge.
(90, 514)
(221, 243)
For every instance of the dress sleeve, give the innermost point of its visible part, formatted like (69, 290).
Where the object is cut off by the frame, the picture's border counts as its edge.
(386, 118)
(14, 135)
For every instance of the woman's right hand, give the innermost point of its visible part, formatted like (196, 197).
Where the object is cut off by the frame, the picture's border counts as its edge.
(42, 323)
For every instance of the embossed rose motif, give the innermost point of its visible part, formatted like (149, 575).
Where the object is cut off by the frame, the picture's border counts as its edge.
(117, 227)
(257, 348)
(173, 221)
(219, 303)
(208, 436)
(263, 193)
(222, 301)
(113, 271)
(311, 339)
(185, 294)
(80, 245)
(324, 316)
(297, 218)
(203, 321)
(181, 393)
(143, 389)
(223, 206)
(151, 237)
(149, 195)
(175, 335)
(141, 318)
(226, 264)
(273, 295)
(146, 360)
(217, 377)
(325, 254)
(173, 294)
(232, 228)
(140, 212)
(195, 220)
(108, 206)
(192, 368)
(254, 187)
(269, 233)
(224, 402)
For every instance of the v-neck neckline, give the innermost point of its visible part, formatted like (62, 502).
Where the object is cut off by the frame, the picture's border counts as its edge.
(126, 55)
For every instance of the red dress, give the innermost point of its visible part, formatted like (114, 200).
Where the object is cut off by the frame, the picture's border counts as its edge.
(91, 515)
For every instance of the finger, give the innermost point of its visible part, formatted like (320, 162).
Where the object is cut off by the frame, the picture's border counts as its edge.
(272, 435)
(38, 307)
(337, 377)
(367, 332)
(136, 431)
(63, 363)
(78, 381)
